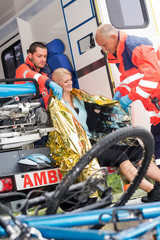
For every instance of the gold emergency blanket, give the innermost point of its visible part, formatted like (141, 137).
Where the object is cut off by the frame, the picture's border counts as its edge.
(69, 141)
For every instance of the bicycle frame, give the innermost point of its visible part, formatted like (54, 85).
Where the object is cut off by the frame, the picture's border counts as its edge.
(81, 234)
(59, 226)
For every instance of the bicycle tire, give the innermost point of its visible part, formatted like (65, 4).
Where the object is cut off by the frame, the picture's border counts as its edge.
(112, 138)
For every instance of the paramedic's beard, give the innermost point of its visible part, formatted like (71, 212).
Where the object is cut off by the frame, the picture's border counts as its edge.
(39, 66)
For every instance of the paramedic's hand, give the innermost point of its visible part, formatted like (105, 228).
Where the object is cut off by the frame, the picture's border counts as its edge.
(57, 90)
(125, 102)
(117, 96)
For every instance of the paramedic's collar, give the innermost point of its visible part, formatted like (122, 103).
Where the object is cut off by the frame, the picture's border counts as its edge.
(115, 54)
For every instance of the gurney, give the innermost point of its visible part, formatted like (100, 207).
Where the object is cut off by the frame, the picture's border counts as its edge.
(22, 119)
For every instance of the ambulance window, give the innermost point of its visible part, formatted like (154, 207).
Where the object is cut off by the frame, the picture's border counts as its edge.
(86, 43)
(127, 13)
(11, 59)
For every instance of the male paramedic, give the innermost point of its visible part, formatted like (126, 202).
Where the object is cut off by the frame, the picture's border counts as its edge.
(137, 61)
(35, 67)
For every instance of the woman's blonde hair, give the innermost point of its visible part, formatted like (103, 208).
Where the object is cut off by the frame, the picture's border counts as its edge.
(58, 73)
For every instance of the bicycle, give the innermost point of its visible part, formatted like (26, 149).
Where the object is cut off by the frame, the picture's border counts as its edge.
(56, 196)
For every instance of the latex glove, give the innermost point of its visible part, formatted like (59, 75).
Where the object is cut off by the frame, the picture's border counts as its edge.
(57, 90)
(125, 102)
(117, 96)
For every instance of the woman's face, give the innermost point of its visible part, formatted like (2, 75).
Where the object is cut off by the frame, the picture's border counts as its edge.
(66, 83)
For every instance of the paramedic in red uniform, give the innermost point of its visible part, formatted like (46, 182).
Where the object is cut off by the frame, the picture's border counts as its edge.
(35, 67)
(137, 61)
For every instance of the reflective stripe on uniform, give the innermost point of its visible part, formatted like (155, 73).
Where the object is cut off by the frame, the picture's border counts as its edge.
(127, 87)
(154, 114)
(24, 74)
(132, 78)
(148, 84)
(142, 93)
(37, 75)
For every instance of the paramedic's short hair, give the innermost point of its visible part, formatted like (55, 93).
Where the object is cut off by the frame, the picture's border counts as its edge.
(34, 45)
(58, 73)
(106, 30)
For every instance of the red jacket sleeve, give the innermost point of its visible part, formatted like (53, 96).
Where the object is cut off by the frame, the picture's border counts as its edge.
(23, 71)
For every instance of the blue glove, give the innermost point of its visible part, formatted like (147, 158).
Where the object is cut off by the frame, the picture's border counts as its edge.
(117, 96)
(125, 102)
(57, 90)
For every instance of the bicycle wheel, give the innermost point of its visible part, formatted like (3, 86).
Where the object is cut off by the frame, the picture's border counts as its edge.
(122, 136)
